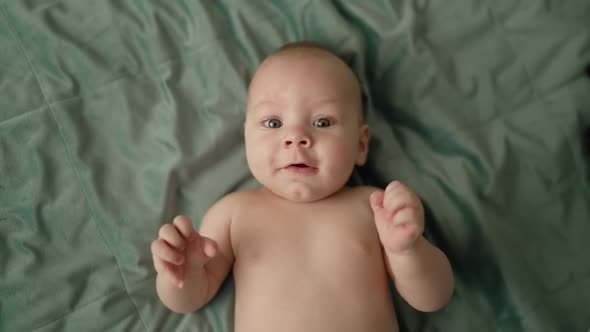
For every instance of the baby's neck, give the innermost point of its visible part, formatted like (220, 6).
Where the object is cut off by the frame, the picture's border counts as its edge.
(277, 198)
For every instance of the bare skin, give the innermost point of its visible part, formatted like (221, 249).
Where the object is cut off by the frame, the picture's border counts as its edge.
(324, 266)
(307, 252)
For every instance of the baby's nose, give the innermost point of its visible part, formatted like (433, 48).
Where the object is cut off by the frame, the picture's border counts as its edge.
(301, 141)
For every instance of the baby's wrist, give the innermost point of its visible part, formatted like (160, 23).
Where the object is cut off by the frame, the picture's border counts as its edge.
(407, 252)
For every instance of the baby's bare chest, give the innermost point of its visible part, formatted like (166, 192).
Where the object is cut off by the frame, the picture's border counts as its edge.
(333, 238)
(323, 264)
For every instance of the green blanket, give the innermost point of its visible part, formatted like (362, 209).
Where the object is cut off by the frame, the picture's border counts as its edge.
(115, 116)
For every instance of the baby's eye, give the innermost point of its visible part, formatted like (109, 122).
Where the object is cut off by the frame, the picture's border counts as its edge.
(273, 123)
(322, 123)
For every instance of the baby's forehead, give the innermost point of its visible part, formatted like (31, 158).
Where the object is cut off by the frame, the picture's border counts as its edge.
(309, 53)
(312, 63)
(291, 55)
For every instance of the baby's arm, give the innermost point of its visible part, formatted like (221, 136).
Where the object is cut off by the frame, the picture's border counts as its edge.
(421, 272)
(422, 276)
(192, 265)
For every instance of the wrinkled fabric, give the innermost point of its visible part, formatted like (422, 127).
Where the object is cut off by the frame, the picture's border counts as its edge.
(116, 116)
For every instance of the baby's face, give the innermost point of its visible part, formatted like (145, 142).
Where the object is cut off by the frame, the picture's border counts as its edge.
(303, 128)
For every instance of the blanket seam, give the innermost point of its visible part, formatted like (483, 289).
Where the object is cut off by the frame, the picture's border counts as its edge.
(68, 154)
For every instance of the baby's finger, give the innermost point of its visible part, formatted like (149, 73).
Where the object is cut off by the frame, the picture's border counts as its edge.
(409, 218)
(209, 247)
(399, 199)
(398, 189)
(184, 226)
(376, 200)
(172, 236)
(165, 252)
(395, 203)
(173, 273)
(394, 186)
(161, 265)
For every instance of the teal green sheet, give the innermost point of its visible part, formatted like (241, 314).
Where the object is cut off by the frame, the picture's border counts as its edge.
(115, 116)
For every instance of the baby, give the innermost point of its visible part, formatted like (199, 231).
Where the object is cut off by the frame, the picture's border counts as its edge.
(308, 253)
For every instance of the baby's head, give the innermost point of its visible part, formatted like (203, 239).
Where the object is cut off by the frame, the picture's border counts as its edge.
(304, 127)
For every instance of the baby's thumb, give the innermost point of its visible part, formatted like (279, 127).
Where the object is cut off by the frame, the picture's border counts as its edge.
(376, 200)
(209, 247)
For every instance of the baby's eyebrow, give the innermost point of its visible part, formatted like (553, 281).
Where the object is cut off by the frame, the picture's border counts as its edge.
(272, 102)
(259, 107)
(322, 102)
(263, 103)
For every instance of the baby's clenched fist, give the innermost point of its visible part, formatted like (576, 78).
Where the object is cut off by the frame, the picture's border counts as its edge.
(399, 217)
(179, 250)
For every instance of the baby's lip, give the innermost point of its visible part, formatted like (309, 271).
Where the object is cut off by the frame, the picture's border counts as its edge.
(301, 164)
(300, 168)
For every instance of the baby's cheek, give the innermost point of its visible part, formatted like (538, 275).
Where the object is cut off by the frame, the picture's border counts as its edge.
(347, 153)
(342, 158)
(258, 163)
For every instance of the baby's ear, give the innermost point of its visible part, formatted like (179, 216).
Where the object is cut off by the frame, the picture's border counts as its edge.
(363, 147)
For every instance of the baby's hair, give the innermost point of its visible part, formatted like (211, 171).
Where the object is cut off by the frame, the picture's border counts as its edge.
(307, 46)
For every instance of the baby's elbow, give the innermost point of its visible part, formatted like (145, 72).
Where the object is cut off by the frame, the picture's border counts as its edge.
(181, 309)
(432, 306)
(435, 300)
(436, 303)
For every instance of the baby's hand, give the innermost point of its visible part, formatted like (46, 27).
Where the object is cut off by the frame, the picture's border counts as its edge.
(180, 249)
(399, 217)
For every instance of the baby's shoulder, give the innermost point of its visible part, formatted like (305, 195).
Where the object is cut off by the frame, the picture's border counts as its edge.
(236, 200)
(363, 192)
(358, 197)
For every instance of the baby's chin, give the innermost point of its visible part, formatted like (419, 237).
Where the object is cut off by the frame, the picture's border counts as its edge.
(302, 193)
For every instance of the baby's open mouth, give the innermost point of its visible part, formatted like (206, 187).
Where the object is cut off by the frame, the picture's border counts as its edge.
(300, 168)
